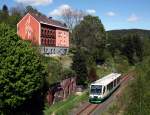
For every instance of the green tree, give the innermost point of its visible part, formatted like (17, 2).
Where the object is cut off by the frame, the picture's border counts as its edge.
(54, 70)
(128, 49)
(4, 14)
(79, 66)
(21, 70)
(138, 46)
(16, 13)
(92, 74)
(140, 91)
(90, 34)
(31, 9)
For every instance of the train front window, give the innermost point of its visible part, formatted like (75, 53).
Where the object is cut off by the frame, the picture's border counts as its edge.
(96, 89)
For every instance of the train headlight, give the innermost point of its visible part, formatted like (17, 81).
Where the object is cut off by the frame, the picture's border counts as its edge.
(99, 96)
(91, 96)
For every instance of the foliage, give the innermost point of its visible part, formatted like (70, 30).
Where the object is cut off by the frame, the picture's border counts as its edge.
(21, 70)
(31, 9)
(79, 66)
(102, 71)
(54, 69)
(121, 63)
(92, 74)
(116, 34)
(90, 34)
(4, 13)
(140, 91)
(64, 107)
(130, 46)
(12, 16)
(113, 110)
(67, 72)
(128, 50)
(133, 48)
(146, 47)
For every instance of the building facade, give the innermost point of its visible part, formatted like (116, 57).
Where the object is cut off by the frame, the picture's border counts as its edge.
(50, 35)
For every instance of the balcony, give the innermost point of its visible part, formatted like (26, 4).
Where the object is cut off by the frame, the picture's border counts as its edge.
(48, 42)
(48, 33)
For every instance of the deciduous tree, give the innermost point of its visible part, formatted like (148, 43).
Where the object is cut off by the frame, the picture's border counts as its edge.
(21, 70)
(90, 34)
(79, 66)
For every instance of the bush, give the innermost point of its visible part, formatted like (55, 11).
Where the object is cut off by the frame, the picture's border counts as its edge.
(67, 73)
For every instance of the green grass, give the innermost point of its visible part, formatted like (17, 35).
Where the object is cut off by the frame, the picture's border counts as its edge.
(63, 107)
(102, 71)
(64, 60)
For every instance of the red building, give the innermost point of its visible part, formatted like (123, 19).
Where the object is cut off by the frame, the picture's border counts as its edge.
(52, 36)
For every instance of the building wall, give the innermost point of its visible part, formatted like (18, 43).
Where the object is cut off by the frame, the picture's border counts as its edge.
(28, 29)
(62, 38)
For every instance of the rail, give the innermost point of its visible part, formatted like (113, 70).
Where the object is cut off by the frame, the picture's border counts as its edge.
(90, 108)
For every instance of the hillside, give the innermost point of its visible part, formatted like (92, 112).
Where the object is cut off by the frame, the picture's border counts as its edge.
(124, 32)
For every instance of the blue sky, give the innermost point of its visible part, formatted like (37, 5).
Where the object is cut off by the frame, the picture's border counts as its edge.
(115, 14)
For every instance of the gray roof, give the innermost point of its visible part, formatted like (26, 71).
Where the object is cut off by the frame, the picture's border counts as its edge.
(44, 19)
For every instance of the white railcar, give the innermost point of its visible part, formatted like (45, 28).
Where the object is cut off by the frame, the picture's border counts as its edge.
(104, 87)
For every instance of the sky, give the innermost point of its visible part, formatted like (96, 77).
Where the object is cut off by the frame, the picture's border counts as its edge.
(114, 14)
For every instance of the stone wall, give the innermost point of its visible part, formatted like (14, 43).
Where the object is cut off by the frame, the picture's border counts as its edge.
(61, 91)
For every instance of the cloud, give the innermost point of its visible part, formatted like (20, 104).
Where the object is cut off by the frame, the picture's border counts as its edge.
(91, 11)
(59, 11)
(111, 13)
(34, 2)
(133, 18)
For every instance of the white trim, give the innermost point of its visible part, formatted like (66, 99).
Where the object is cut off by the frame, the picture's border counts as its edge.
(22, 18)
(39, 34)
(17, 30)
(28, 14)
(21, 21)
(25, 16)
(54, 25)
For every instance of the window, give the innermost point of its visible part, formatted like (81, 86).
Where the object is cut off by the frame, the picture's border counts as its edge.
(118, 80)
(115, 82)
(42, 41)
(104, 90)
(96, 89)
(45, 32)
(42, 31)
(110, 86)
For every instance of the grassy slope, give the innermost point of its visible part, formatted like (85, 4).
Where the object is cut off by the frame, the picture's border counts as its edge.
(63, 107)
(102, 71)
(65, 60)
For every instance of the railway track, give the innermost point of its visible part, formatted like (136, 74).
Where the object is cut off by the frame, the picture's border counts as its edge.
(90, 108)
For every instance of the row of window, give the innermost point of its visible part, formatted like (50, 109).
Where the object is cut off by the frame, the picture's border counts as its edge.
(111, 85)
(47, 32)
(62, 34)
(48, 42)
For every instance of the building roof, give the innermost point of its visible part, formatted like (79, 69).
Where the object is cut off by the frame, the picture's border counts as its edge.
(107, 79)
(45, 20)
